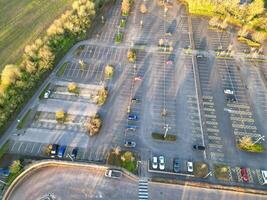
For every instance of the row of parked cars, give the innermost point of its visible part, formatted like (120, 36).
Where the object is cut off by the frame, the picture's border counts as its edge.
(59, 151)
(159, 163)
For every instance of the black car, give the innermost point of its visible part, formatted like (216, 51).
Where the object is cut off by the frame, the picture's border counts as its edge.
(54, 150)
(74, 152)
(176, 165)
(199, 147)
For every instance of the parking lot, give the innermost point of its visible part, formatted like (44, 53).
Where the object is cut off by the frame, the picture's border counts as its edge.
(158, 90)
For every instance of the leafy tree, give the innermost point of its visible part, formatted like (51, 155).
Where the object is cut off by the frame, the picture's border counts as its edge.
(245, 141)
(73, 88)
(143, 8)
(60, 115)
(94, 125)
(127, 156)
(102, 95)
(125, 7)
(109, 71)
(131, 55)
(258, 37)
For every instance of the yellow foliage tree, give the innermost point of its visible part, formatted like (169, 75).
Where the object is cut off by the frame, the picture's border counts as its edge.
(9, 75)
(143, 8)
(125, 7)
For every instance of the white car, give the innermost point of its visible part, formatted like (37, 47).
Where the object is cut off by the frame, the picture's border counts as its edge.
(228, 91)
(47, 94)
(190, 166)
(154, 162)
(264, 177)
(161, 163)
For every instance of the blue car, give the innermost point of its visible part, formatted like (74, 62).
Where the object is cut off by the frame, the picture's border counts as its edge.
(132, 117)
(61, 151)
(4, 172)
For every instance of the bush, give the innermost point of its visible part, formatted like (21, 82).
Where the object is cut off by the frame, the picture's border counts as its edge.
(102, 96)
(94, 125)
(73, 88)
(60, 116)
(160, 136)
(131, 55)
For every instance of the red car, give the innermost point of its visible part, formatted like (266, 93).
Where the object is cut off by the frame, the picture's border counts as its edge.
(138, 78)
(244, 174)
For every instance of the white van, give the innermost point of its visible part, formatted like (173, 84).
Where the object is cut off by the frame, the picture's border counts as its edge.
(264, 176)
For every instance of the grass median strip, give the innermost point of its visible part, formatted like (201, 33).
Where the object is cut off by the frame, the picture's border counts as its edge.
(4, 149)
(24, 120)
(61, 71)
(160, 136)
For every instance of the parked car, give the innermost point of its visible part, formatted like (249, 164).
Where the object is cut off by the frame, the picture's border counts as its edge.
(176, 165)
(112, 173)
(130, 144)
(161, 163)
(61, 151)
(74, 152)
(244, 174)
(4, 172)
(200, 56)
(47, 94)
(264, 177)
(131, 127)
(229, 94)
(135, 100)
(154, 162)
(138, 78)
(198, 147)
(54, 150)
(190, 166)
(132, 117)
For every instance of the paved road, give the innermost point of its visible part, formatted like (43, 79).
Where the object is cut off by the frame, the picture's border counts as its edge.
(84, 183)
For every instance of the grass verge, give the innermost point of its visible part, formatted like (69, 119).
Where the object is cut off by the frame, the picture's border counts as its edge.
(24, 120)
(4, 149)
(160, 136)
(61, 70)
(256, 148)
(118, 38)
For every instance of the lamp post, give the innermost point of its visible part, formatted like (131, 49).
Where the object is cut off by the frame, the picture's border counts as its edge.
(166, 127)
(259, 139)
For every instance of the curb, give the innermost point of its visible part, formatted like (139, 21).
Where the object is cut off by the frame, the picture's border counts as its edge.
(32, 168)
(208, 186)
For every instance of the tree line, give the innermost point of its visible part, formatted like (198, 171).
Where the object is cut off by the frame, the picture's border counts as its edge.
(18, 81)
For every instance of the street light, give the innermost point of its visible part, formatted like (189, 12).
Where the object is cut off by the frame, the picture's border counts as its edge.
(259, 139)
(166, 127)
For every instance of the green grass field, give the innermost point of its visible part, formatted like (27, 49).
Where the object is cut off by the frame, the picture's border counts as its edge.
(22, 21)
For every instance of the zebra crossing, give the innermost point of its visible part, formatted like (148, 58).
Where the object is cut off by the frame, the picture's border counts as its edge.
(143, 190)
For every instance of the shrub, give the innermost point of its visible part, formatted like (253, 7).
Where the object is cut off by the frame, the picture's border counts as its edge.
(60, 115)
(122, 23)
(15, 167)
(131, 55)
(109, 71)
(73, 88)
(94, 125)
(201, 170)
(118, 37)
(102, 96)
